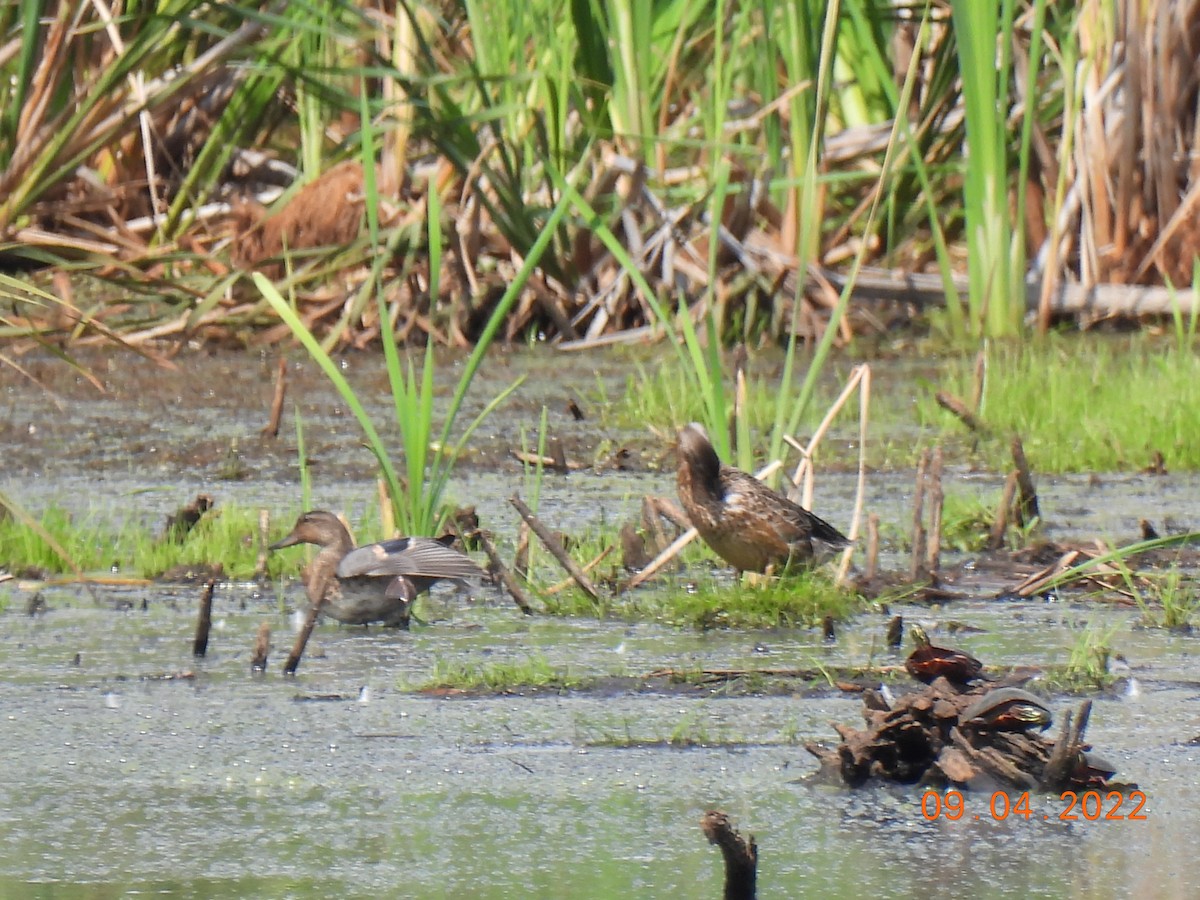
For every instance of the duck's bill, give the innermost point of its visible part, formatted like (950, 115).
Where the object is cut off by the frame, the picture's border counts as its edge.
(290, 541)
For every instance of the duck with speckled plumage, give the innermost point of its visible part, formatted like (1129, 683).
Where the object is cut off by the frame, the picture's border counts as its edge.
(746, 523)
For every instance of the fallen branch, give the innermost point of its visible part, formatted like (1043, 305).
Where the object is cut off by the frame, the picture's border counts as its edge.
(554, 545)
(502, 572)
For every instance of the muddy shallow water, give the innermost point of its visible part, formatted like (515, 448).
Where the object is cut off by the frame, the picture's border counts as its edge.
(347, 781)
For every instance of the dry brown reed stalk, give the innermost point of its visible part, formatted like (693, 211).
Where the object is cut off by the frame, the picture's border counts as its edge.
(979, 381)
(567, 582)
(264, 541)
(804, 469)
(271, 429)
(917, 568)
(933, 553)
(862, 377)
(1003, 513)
(872, 563)
(521, 556)
(1033, 585)
(1131, 206)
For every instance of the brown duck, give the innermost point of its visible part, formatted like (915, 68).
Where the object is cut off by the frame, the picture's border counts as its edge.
(746, 523)
(375, 583)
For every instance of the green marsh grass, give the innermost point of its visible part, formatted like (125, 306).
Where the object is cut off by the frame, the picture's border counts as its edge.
(532, 672)
(227, 537)
(1087, 662)
(1167, 598)
(1082, 405)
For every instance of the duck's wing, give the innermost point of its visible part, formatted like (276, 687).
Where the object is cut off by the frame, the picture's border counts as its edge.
(790, 521)
(413, 556)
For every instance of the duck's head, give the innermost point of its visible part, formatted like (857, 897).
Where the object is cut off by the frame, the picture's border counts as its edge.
(696, 453)
(316, 527)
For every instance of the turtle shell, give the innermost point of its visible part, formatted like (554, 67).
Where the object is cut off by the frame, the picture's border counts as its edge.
(1007, 709)
(928, 662)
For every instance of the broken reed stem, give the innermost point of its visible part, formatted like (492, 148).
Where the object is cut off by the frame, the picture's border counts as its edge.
(503, 573)
(916, 569)
(567, 582)
(933, 551)
(851, 383)
(204, 622)
(521, 557)
(1039, 579)
(262, 647)
(672, 512)
(264, 541)
(310, 622)
(872, 566)
(980, 381)
(960, 411)
(1000, 526)
(652, 525)
(682, 541)
(271, 429)
(387, 517)
(1028, 504)
(861, 377)
(554, 545)
(740, 855)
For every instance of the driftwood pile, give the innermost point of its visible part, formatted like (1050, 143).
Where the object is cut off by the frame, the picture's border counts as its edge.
(924, 738)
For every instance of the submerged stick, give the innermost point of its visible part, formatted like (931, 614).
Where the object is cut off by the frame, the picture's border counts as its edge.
(204, 622)
(271, 429)
(1028, 506)
(554, 545)
(262, 647)
(502, 572)
(741, 856)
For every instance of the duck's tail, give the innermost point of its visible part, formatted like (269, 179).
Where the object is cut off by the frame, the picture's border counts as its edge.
(826, 533)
